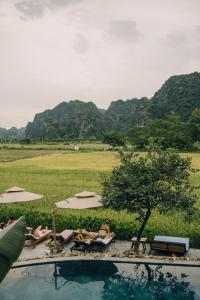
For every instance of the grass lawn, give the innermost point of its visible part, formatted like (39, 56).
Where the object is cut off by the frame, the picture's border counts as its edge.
(59, 175)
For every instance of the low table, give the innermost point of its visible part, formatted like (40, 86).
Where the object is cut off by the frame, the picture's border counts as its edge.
(142, 242)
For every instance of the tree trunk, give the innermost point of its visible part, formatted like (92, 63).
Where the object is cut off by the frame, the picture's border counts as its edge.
(149, 274)
(141, 229)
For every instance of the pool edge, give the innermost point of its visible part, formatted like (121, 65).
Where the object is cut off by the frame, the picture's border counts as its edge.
(44, 261)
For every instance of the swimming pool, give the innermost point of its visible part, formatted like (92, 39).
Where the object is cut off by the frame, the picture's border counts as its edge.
(96, 280)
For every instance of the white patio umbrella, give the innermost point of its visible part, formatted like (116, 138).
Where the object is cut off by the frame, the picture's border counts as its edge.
(17, 194)
(81, 200)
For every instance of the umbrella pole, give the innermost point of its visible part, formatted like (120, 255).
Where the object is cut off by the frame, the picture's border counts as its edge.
(54, 210)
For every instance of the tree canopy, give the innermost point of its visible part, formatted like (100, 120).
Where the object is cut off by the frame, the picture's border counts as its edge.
(114, 138)
(141, 184)
(168, 133)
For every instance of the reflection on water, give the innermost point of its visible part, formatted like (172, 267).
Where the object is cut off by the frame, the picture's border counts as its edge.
(101, 280)
(84, 271)
(148, 283)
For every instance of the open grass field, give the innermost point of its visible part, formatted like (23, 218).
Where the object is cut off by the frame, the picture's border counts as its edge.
(58, 175)
(52, 146)
(14, 154)
(11, 152)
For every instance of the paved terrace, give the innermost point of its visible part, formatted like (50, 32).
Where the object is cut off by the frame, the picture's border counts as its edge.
(116, 251)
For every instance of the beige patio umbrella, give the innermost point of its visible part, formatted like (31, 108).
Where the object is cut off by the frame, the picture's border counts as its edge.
(17, 194)
(81, 200)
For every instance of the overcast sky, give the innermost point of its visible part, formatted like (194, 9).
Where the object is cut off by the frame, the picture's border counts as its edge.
(91, 50)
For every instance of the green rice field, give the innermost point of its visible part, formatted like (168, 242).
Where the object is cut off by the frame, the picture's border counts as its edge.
(59, 174)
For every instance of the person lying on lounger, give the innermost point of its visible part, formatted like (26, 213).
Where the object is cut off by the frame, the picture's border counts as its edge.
(104, 232)
(82, 234)
(37, 233)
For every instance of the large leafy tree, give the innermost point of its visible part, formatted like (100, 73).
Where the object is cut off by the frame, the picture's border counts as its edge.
(194, 123)
(141, 184)
(114, 138)
(171, 132)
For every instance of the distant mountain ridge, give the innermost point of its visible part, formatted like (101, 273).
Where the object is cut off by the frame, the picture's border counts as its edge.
(67, 120)
(12, 133)
(179, 96)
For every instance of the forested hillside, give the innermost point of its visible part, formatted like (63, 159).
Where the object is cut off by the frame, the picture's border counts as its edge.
(121, 115)
(67, 120)
(12, 133)
(179, 96)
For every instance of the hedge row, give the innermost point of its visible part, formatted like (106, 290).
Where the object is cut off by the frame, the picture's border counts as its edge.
(122, 223)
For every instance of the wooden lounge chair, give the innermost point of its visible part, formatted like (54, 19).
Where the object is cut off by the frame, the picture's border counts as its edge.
(100, 244)
(61, 239)
(83, 239)
(169, 244)
(80, 246)
(32, 239)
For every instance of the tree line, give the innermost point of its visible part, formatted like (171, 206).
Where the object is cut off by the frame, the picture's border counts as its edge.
(171, 132)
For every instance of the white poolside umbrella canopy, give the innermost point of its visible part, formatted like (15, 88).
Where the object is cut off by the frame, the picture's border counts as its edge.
(17, 194)
(81, 201)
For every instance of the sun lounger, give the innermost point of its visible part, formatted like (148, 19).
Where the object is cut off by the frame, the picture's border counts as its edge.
(99, 244)
(169, 244)
(80, 245)
(83, 244)
(32, 240)
(61, 239)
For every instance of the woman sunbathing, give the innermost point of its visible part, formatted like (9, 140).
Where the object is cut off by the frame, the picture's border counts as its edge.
(82, 234)
(104, 231)
(39, 232)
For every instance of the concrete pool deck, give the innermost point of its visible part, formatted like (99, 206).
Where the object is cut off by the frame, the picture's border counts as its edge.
(116, 252)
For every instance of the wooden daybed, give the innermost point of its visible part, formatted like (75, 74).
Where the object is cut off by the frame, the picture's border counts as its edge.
(169, 244)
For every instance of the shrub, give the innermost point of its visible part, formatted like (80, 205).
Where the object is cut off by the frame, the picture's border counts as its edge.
(121, 223)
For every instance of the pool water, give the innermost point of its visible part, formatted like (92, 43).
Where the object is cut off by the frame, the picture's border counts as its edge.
(96, 280)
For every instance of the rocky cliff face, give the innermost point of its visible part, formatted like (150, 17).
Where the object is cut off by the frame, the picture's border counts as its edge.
(179, 95)
(67, 120)
(122, 115)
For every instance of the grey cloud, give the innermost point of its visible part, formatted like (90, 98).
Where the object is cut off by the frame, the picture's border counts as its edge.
(112, 49)
(81, 44)
(181, 49)
(176, 39)
(63, 3)
(197, 29)
(36, 8)
(31, 8)
(125, 30)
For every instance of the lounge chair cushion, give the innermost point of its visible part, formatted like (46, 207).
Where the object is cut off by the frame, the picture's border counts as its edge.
(105, 241)
(67, 234)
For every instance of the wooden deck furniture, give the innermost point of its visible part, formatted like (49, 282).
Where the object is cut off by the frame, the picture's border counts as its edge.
(169, 244)
(61, 239)
(32, 240)
(100, 244)
(83, 243)
(80, 246)
(142, 242)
